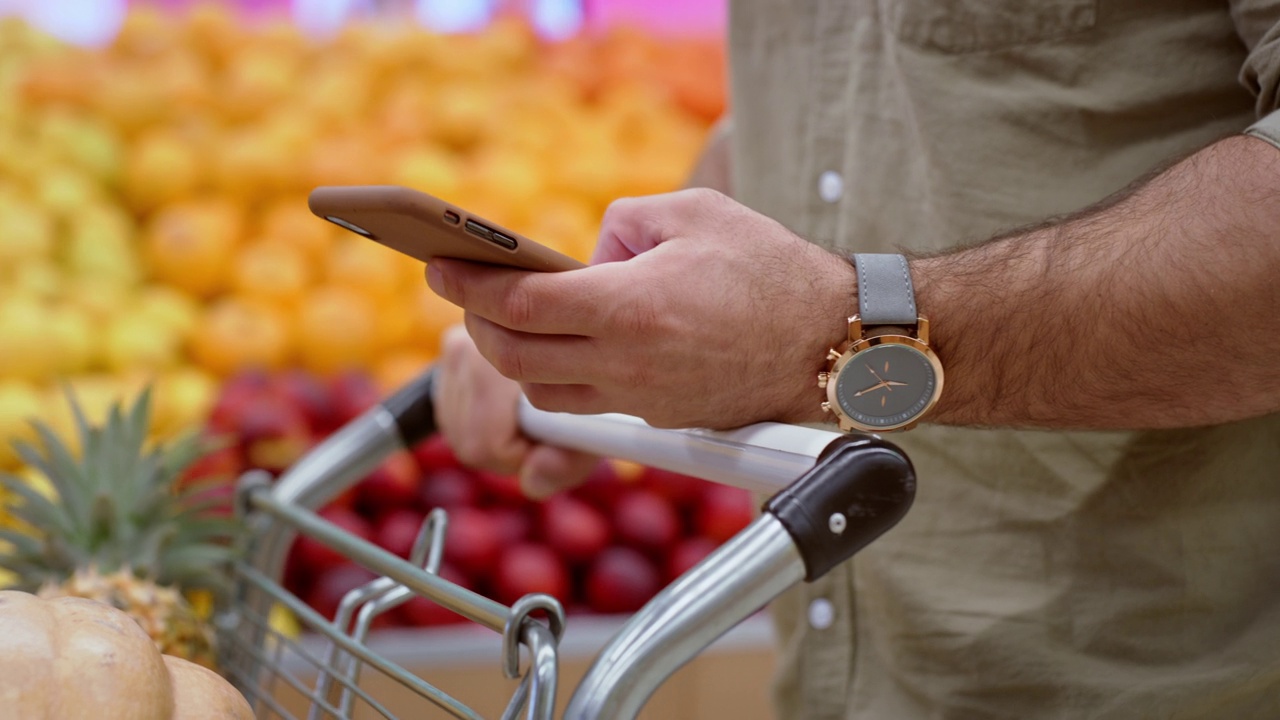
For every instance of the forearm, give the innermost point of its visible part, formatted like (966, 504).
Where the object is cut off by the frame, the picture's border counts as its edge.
(1161, 309)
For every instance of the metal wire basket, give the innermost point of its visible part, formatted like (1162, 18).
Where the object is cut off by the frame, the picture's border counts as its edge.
(834, 494)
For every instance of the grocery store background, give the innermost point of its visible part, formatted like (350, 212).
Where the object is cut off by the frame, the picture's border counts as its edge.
(154, 164)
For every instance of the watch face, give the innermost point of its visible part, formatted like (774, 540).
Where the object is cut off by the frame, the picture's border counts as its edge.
(886, 385)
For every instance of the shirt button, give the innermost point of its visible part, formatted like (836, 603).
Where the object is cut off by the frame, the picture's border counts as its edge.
(830, 186)
(821, 614)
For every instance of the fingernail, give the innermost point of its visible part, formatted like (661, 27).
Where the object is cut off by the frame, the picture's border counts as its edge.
(535, 486)
(435, 280)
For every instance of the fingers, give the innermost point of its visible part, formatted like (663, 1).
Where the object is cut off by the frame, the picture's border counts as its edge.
(476, 408)
(563, 303)
(531, 358)
(548, 470)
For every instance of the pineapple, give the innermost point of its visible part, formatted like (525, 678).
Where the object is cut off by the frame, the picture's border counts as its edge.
(120, 531)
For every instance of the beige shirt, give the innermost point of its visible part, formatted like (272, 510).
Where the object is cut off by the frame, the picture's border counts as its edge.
(1040, 574)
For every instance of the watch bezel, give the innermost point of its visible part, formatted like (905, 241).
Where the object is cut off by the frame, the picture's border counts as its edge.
(862, 345)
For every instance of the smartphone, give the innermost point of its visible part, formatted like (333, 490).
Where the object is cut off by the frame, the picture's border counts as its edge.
(424, 227)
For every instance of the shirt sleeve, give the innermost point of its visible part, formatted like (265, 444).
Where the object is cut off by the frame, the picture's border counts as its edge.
(1258, 24)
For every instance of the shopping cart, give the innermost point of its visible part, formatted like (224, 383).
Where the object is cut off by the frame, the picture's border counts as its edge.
(832, 494)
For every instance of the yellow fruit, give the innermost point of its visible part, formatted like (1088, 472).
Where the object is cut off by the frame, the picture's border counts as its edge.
(100, 244)
(289, 222)
(396, 370)
(64, 191)
(19, 403)
(169, 308)
(336, 330)
(429, 170)
(237, 334)
(271, 271)
(28, 342)
(82, 142)
(191, 245)
(161, 167)
(100, 297)
(183, 400)
(75, 340)
(37, 277)
(27, 233)
(135, 342)
(365, 266)
(432, 315)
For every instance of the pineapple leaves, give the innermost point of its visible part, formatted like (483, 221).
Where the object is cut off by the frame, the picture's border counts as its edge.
(63, 472)
(35, 509)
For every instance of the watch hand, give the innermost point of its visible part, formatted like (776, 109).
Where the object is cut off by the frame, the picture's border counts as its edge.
(877, 386)
(892, 382)
(873, 372)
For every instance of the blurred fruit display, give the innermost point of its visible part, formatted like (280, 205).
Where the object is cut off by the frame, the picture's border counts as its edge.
(154, 231)
(605, 547)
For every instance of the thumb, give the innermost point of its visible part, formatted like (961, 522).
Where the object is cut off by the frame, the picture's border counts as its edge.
(548, 470)
(630, 227)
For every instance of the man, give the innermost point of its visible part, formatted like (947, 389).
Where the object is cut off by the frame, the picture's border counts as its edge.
(1098, 517)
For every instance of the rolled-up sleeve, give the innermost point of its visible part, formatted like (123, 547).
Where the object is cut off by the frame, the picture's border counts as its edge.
(1258, 24)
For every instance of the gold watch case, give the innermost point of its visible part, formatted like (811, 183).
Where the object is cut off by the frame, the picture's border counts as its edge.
(857, 345)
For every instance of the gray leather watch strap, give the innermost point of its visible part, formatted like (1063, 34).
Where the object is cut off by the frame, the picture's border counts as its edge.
(885, 295)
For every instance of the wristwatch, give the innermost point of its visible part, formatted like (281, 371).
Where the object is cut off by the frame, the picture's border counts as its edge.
(885, 376)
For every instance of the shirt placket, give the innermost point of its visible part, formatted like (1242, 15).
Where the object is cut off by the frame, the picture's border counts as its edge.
(827, 631)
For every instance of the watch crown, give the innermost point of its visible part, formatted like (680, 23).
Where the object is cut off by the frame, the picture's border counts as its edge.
(833, 354)
(823, 379)
(826, 406)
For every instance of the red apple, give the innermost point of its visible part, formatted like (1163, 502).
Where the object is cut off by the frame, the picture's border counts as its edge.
(621, 580)
(317, 557)
(471, 542)
(393, 484)
(448, 488)
(513, 523)
(682, 490)
(500, 489)
(574, 529)
(310, 396)
(530, 568)
(353, 392)
(688, 553)
(333, 584)
(423, 612)
(273, 434)
(603, 487)
(646, 521)
(434, 453)
(397, 531)
(724, 511)
(234, 396)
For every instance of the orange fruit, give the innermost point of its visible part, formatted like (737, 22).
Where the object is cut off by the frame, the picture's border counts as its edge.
(159, 168)
(236, 334)
(397, 369)
(432, 315)
(365, 266)
(430, 170)
(289, 222)
(346, 161)
(336, 330)
(271, 271)
(250, 165)
(191, 245)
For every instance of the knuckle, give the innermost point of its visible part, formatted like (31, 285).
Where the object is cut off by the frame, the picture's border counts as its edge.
(508, 360)
(517, 307)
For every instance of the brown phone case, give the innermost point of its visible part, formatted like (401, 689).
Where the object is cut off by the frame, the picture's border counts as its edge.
(423, 227)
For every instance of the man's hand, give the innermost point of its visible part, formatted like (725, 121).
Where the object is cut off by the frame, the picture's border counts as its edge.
(476, 410)
(696, 312)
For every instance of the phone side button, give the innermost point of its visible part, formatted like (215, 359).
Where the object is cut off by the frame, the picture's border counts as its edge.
(505, 241)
